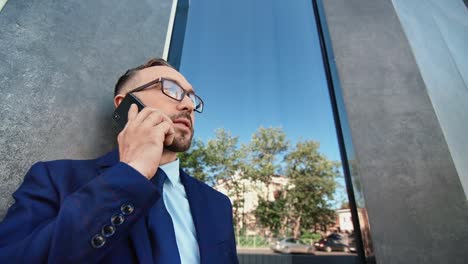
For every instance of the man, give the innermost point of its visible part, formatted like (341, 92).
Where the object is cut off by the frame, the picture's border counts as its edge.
(134, 204)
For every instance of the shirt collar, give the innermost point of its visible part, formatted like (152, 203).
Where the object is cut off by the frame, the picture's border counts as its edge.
(172, 171)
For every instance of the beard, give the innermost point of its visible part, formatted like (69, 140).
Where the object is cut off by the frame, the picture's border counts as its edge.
(182, 140)
(181, 143)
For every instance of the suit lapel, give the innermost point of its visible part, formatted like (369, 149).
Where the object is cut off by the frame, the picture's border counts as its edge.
(200, 215)
(139, 232)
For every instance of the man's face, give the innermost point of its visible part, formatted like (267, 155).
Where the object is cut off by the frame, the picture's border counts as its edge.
(181, 113)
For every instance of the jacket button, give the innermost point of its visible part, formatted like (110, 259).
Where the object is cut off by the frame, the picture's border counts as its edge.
(108, 230)
(98, 241)
(117, 219)
(127, 209)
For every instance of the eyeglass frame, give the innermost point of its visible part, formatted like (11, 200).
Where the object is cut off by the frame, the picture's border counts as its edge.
(160, 80)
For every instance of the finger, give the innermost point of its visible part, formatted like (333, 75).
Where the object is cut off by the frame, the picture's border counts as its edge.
(141, 116)
(170, 135)
(154, 115)
(167, 130)
(145, 113)
(132, 112)
(120, 136)
(152, 120)
(165, 117)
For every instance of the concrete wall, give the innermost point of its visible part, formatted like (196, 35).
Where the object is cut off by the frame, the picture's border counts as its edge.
(438, 34)
(59, 61)
(415, 201)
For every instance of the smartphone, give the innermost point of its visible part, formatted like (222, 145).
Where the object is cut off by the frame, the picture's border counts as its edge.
(120, 115)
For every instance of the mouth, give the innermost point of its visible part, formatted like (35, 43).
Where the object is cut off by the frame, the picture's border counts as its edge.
(183, 122)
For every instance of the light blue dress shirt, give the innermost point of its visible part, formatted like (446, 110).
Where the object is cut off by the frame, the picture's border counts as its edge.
(175, 200)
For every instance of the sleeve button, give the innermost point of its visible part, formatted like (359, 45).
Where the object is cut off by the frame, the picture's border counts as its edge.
(98, 241)
(108, 230)
(127, 209)
(117, 219)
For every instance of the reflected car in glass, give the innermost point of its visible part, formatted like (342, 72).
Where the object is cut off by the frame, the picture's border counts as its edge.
(291, 245)
(334, 242)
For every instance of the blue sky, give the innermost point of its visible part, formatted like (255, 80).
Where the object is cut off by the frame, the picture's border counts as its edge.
(258, 63)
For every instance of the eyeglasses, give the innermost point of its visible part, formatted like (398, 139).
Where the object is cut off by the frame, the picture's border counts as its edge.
(174, 91)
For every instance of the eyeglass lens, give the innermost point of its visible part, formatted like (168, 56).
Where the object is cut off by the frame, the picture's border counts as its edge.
(173, 90)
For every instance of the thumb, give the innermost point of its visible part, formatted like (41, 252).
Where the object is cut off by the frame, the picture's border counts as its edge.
(132, 112)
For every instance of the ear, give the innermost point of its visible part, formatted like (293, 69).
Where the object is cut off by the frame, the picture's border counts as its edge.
(118, 99)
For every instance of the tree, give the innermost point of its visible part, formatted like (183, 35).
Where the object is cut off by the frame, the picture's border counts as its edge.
(222, 155)
(224, 160)
(303, 205)
(271, 214)
(264, 150)
(193, 161)
(312, 184)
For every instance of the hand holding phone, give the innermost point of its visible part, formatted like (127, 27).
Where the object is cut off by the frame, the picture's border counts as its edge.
(120, 115)
(145, 133)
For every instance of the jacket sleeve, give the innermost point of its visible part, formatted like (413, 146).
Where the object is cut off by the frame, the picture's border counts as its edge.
(39, 228)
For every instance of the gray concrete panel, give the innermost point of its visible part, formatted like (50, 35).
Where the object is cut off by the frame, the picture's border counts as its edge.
(59, 62)
(438, 34)
(415, 202)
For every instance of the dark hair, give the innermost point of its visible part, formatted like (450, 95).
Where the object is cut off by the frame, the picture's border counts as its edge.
(131, 72)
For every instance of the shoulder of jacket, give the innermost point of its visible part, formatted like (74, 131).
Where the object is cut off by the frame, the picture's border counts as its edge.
(213, 192)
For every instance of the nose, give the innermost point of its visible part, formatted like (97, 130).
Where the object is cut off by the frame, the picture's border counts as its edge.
(186, 104)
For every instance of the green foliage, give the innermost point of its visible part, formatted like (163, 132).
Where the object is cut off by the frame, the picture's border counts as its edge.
(310, 236)
(219, 159)
(270, 214)
(223, 157)
(251, 241)
(264, 149)
(194, 162)
(313, 177)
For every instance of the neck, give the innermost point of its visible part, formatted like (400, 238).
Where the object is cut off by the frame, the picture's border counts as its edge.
(167, 156)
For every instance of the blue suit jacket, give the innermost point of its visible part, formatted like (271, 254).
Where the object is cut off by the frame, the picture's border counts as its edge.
(62, 204)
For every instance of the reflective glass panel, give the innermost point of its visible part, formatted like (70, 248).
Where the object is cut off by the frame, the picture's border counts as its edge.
(267, 138)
